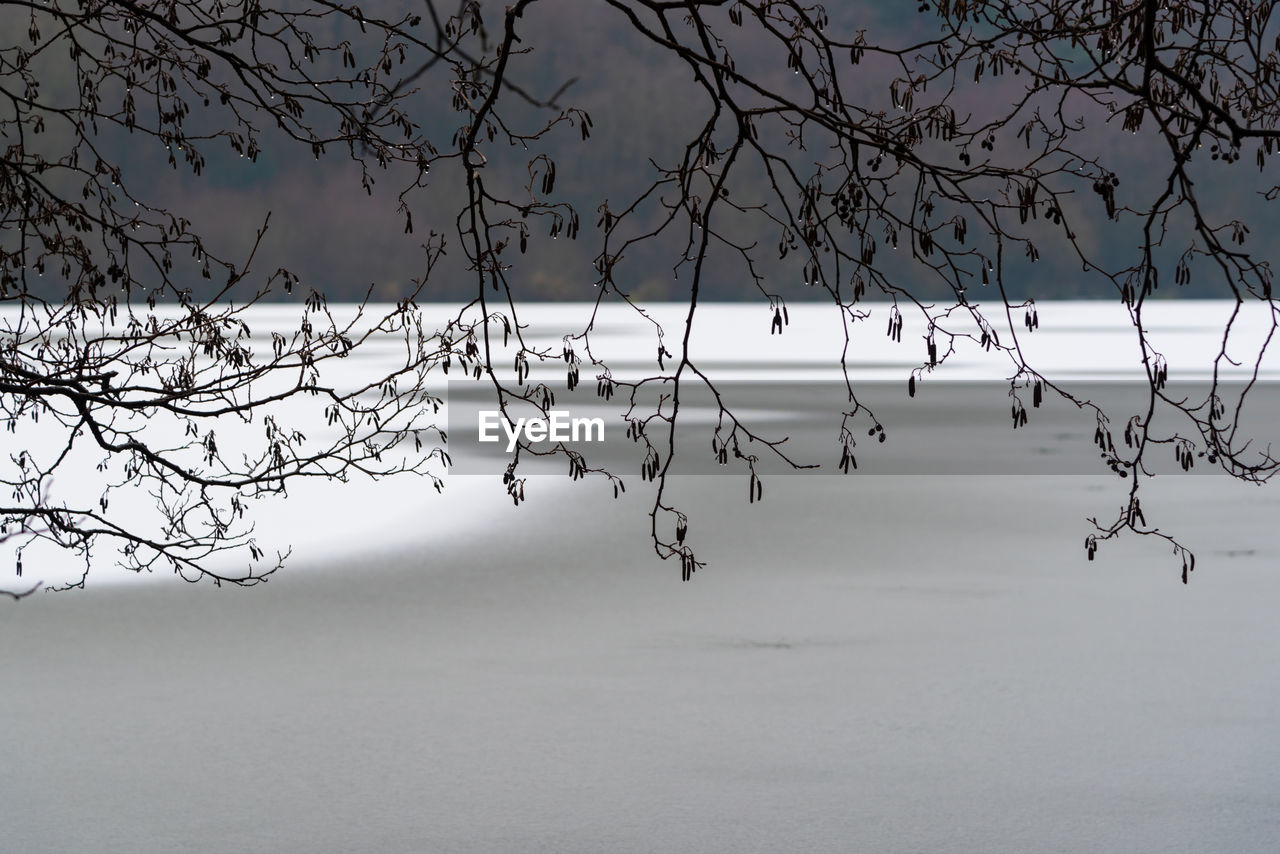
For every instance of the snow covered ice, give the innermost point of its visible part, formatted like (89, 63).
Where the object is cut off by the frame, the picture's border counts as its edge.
(880, 663)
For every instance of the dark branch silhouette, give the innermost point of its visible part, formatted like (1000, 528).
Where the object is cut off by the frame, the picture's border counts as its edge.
(938, 167)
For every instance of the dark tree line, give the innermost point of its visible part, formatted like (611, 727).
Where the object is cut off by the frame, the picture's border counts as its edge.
(818, 159)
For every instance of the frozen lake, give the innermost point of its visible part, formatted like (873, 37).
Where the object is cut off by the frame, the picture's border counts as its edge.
(886, 663)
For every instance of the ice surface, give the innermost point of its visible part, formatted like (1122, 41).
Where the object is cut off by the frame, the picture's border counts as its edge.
(886, 664)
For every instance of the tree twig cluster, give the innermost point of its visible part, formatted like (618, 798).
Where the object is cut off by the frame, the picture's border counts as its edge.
(937, 166)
